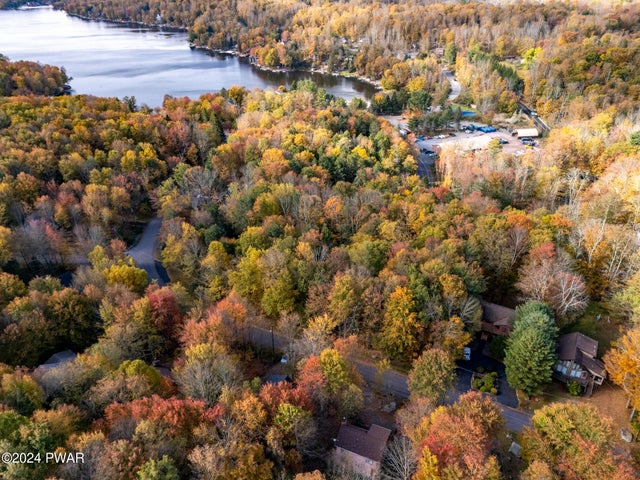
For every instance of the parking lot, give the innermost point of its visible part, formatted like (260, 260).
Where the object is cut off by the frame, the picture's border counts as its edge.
(469, 140)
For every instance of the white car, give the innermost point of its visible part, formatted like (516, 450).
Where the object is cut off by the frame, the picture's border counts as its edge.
(467, 354)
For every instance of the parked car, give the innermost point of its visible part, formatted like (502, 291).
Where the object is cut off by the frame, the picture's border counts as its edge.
(502, 141)
(467, 353)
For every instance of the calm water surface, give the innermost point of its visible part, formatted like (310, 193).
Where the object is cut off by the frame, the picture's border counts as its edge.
(114, 61)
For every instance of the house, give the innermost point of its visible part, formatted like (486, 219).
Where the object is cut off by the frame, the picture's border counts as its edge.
(360, 449)
(577, 361)
(496, 319)
(275, 379)
(58, 359)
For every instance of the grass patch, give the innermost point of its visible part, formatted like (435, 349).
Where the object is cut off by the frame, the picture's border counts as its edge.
(605, 330)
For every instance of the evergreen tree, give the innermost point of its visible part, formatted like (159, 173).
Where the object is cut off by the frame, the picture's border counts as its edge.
(530, 354)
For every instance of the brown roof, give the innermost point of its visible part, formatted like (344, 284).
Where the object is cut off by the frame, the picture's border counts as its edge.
(594, 365)
(497, 314)
(572, 346)
(366, 443)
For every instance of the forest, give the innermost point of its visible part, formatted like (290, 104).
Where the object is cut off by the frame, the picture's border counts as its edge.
(303, 215)
(576, 59)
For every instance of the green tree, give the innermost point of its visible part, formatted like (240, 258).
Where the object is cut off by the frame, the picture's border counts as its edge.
(530, 354)
(450, 53)
(433, 373)
(163, 469)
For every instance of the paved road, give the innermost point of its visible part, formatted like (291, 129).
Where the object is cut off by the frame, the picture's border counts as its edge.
(143, 253)
(425, 167)
(541, 124)
(456, 88)
(396, 383)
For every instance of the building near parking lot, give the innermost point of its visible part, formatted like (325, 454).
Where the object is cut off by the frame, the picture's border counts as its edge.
(527, 133)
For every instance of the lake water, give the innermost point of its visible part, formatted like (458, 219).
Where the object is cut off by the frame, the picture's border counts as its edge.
(110, 60)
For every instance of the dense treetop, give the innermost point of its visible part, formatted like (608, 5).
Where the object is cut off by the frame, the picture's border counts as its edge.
(23, 78)
(567, 61)
(304, 214)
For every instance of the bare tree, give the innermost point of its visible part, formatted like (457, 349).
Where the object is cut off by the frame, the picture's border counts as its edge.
(567, 294)
(399, 461)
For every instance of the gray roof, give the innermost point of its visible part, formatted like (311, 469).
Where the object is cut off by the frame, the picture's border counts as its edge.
(61, 357)
(278, 378)
(366, 443)
(573, 346)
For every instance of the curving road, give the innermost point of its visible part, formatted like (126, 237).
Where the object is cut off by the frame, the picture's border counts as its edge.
(396, 383)
(143, 253)
(456, 88)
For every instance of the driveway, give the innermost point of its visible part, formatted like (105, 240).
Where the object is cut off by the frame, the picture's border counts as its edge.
(143, 253)
(506, 394)
(396, 383)
(456, 88)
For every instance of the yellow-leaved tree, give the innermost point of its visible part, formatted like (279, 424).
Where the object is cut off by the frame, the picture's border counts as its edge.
(623, 365)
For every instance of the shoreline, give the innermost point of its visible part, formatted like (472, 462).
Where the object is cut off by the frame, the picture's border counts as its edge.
(125, 23)
(321, 71)
(233, 52)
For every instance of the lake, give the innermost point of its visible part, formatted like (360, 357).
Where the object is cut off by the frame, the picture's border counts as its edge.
(110, 60)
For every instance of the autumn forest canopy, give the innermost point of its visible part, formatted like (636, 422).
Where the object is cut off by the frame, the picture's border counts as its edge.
(300, 213)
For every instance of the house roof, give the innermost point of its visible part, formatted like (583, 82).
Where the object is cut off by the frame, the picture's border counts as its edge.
(497, 314)
(61, 357)
(58, 359)
(573, 346)
(278, 378)
(527, 132)
(594, 366)
(366, 443)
